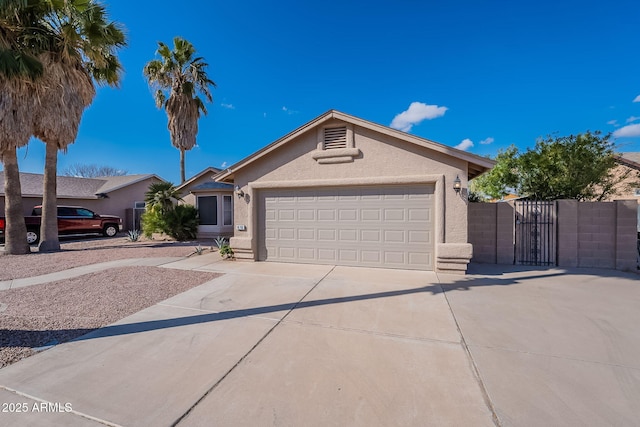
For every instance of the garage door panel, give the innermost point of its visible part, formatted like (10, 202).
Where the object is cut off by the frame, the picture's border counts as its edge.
(376, 226)
(326, 214)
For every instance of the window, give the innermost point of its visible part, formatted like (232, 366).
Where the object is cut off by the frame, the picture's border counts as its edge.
(636, 192)
(335, 138)
(227, 210)
(208, 210)
(139, 205)
(84, 213)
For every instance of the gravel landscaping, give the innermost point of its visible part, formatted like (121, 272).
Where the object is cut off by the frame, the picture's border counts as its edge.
(51, 313)
(89, 251)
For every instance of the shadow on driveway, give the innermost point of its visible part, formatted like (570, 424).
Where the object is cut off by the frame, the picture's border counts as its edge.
(463, 283)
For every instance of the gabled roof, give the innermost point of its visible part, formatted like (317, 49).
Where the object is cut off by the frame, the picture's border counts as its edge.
(74, 187)
(477, 164)
(631, 160)
(210, 170)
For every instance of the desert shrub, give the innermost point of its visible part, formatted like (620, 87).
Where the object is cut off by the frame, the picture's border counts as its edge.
(152, 222)
(181, 222)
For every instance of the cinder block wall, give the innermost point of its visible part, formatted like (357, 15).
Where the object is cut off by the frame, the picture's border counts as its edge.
(590, 234)
(482, 232)
(597, 235)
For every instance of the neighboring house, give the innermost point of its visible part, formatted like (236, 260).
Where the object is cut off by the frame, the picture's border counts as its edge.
(113, 195)
(629, 164)
(214, 201)
(345, 191)
(630, 187)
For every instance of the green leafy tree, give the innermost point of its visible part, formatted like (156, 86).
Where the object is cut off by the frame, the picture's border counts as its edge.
(577, 167)
(178, 78)
(497, 182)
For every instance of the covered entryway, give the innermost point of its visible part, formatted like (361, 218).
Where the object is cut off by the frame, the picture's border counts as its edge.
(381, 226)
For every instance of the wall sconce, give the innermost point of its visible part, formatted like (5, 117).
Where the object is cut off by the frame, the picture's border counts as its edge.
(239, 192)
(457, 185)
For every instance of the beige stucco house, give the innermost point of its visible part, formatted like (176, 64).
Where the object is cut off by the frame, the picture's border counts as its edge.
(214, 201)
(113, 195)
(346, 191)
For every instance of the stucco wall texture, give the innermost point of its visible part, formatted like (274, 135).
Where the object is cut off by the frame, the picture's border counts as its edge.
(383, 160)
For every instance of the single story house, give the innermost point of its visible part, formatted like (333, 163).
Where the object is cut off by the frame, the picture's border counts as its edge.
(342, 190)
(214, 201)
(112, 195)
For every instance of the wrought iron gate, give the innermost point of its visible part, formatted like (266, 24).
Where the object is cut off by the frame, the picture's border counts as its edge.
(535, 234)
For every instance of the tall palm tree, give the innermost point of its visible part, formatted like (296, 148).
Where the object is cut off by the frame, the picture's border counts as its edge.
(81, 51)
(19, 68)
(182, 76)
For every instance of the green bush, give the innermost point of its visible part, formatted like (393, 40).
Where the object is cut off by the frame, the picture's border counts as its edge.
(181, 222)
(152, 222)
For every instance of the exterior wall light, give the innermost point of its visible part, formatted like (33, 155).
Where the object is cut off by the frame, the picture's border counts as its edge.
(239, 192)
(457, 185)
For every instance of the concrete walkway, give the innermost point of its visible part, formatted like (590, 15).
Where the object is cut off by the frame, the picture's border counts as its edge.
(290, 344)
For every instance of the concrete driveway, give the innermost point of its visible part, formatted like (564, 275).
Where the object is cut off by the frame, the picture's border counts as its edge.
(285, 344)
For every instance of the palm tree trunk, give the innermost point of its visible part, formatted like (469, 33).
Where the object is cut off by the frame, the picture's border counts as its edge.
(15, 228)
(49, 226)
(182, 174)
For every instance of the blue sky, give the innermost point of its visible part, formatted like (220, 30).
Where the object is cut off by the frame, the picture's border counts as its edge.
(490, 74)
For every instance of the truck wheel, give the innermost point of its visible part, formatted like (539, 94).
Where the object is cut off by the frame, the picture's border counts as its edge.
(33, 236)
(110, 230)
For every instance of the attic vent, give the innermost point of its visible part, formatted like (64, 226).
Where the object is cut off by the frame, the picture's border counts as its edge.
(335, 138)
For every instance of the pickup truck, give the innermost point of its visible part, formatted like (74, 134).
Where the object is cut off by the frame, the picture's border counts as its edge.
(71, 220)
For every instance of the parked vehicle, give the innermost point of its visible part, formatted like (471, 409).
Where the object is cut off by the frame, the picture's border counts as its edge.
(71, 220)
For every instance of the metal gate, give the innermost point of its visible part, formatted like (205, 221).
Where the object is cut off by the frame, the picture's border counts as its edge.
(535, 234)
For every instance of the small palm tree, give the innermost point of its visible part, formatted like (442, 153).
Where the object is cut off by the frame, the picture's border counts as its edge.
(161, 196)
(178, 77)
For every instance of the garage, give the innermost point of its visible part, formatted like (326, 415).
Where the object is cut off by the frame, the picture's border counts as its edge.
(341, 190)
(375, 226)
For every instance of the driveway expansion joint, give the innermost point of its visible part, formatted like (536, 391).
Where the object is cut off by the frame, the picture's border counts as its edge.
(369, 332)
(554, 356)
(472, 362)
(242, 359)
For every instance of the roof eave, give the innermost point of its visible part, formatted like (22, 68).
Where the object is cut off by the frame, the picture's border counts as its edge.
(477, 164)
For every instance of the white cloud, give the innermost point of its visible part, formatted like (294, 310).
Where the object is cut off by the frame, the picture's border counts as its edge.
(415, 114)
(223, 165)
(487, 141)
(465, 144)
(613, 123)
(637, 99)
(289, 111)
(627, 131)
(633, 119)
(227, 106)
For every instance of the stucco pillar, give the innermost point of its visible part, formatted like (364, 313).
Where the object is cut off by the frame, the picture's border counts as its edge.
(567, 233)
(452, 258)
(626, 234)
(505, 228)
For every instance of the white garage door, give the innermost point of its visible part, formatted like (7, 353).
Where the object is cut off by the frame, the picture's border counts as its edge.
(385, 226)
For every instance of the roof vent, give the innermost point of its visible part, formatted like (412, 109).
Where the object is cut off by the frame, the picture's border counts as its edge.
(335, 138)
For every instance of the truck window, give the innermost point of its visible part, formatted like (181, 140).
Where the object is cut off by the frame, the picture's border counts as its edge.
(85, 213)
